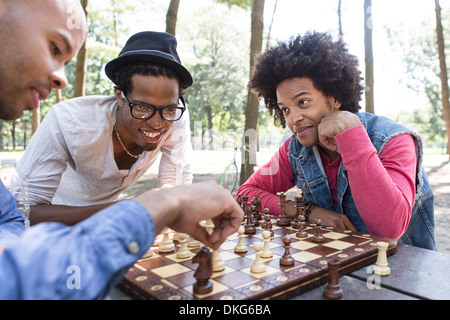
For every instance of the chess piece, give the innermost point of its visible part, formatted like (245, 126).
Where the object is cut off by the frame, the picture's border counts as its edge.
(203, 272)
(381, 267)
(258, 265)
(266, 251)
(333, 289)
(257, 203)
(254, 214)
(268, 222)
(298, 208)
(148, 254)
(193, 243)
(217, 261)
(249, 227)
(166, 245)
(283, 219)
(318, 237)
(301, 233)
(209, 226)
(241, 247)
(286, 260)
(183, 252)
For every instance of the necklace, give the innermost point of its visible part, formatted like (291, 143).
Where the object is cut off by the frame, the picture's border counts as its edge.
(118, 137)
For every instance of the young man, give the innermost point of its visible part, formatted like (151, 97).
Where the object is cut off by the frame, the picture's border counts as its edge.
(39, 263)
(97, 146)
(359, 171)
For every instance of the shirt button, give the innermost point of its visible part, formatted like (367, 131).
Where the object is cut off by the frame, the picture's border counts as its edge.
(133, 247)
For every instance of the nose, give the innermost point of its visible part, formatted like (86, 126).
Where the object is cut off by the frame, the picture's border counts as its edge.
(156, 121)
(58, 79)
(296, 115)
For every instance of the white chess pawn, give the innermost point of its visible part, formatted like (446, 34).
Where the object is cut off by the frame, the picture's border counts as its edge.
(147, 254)
(241, 247)
(217, 262)
(266, 251)
(258, 265)
(193, 243)
(183, 251)
(209, 225)
(381, 268)
(166, 245)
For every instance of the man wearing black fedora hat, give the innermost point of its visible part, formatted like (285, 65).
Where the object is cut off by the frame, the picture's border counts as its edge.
(55, 261)
(97, 146)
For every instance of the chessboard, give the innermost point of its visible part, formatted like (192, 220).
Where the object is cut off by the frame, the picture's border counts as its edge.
(163, 276)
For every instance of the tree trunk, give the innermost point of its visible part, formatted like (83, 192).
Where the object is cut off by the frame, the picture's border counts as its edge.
(443, 74)
(171, 17)
(252, 110)
(79, 86)
(369, 56)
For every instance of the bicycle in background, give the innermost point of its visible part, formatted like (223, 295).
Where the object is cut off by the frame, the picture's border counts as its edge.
(230, 176)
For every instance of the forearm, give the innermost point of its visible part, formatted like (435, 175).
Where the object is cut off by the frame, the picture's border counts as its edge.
(53, 261)
(382, 186)
(68, 215)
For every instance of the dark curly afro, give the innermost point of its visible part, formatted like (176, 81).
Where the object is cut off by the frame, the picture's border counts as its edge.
(316, 56)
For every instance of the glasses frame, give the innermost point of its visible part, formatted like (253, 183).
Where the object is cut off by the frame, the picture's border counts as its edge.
(154, 108)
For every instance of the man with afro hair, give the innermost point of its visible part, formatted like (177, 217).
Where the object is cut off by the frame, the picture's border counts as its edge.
(356, 170)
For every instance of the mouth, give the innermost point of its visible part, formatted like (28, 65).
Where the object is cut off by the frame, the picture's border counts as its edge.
(37, 95)
(41, 93)
(151, 136)
(303, 131)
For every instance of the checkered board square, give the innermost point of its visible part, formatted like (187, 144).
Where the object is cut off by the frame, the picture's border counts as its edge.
(164, 277)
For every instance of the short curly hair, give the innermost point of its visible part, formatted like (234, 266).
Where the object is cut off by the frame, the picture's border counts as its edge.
(316, 56)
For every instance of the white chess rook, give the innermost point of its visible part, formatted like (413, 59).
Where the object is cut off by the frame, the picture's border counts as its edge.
(381, 268)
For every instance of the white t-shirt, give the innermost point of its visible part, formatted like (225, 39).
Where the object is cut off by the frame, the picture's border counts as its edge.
(70, 158)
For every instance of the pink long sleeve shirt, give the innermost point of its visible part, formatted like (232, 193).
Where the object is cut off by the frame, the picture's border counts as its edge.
(383, 187)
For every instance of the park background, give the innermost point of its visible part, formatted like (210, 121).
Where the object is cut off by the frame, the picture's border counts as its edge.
(215, 44)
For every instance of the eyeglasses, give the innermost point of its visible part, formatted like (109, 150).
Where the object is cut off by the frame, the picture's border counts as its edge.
(146, 111)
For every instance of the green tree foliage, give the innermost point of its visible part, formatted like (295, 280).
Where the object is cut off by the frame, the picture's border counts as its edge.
(218, 63)
(419, 47)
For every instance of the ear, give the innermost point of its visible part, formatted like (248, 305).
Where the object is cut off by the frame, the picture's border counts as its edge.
(334, 103)
(118, 95)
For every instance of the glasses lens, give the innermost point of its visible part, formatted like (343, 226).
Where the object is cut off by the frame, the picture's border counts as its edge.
(142, 112)
(171, 114)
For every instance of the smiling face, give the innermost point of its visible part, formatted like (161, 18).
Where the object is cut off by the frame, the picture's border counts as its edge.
(303, 107)
(38, 40)
(137, 134)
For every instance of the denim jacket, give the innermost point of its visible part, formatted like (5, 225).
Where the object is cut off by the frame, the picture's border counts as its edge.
(310, 177)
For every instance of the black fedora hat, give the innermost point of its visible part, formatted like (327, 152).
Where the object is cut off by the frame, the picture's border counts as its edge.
(158, 47)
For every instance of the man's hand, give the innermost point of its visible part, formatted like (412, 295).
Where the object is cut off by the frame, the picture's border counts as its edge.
(334, 123)
(181, 208)
(331, 219)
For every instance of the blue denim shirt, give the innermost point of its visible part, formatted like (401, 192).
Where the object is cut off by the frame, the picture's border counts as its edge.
(310, 177)
(12, 221)
(54, 261)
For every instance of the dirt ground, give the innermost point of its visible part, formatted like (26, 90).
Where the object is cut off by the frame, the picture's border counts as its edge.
(210, 164)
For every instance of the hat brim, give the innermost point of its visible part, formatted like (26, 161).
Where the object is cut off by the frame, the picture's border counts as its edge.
(149, 56)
